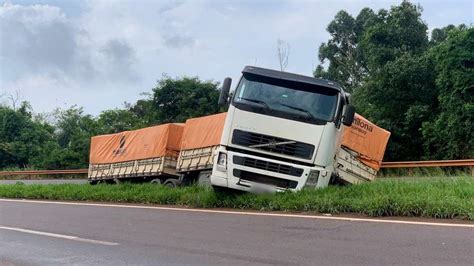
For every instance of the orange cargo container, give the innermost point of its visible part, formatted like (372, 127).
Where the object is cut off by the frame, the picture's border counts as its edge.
(367, 139)
(201, 137)
(362, 148)
(144, 152)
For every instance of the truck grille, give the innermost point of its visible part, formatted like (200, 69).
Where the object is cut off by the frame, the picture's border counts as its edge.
(268, 166)
(272, 144)
(265, 179)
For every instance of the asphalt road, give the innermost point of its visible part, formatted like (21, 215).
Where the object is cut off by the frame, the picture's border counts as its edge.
(107, 235)
(44, 181)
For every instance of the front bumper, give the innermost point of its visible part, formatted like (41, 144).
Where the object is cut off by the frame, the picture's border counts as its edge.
(254, 174)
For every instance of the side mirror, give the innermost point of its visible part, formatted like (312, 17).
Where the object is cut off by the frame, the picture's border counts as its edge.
(348, 116)
(223, 98)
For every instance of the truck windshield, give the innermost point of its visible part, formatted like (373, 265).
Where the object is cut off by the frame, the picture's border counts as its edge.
(286, 99)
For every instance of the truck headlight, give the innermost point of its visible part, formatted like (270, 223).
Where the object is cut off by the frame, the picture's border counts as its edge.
(313, 177)
(222, 160)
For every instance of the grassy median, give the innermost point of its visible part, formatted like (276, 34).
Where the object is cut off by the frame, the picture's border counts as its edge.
(438, 198)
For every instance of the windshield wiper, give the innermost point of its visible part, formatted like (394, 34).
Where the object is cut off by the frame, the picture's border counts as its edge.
(309, 115)
(255, 101)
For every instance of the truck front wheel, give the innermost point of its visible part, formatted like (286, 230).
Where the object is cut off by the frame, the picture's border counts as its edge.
(221, 190)
(171, 183)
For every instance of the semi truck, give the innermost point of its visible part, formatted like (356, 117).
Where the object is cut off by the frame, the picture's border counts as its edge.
(282, 131)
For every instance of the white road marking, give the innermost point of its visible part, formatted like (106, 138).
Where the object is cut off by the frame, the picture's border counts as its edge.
(339, 218)
(75, 238)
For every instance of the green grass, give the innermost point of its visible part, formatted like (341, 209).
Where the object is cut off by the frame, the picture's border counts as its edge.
(448, 198)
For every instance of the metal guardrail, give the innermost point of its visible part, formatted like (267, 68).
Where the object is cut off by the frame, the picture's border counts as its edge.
(441, 163)
(44, 172)
(408, 164)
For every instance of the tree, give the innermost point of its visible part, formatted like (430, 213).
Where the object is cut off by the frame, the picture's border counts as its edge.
(145, 110)
(14, 99)
(399, 99)
(117, 120)
(346, 63)
(283, 52)
(360, 46)
(381, 58)
(21, 136)
(73, 132)
(451, 134)
(399, 31)
(439, 35)
(176, 100)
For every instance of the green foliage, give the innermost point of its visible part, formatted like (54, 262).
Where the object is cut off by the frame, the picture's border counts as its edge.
(21, 136)
(180, 99)
(400, 98)
(30, 142)
(440, 35)
(396, 33)
(346, 62)
(419, 89)
(117, 120)
(427, 198)
(450, 135)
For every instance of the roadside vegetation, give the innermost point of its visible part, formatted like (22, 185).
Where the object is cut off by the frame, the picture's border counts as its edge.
(438, 198)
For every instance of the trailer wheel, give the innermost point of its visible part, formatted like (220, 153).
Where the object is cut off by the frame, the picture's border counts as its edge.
(93, 182)
(156, 181)
(171, 183)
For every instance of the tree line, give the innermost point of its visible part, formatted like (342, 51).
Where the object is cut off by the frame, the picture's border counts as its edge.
(419, 87)
(61, 140)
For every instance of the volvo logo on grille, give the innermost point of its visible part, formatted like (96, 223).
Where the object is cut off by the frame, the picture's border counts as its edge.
(272, 144)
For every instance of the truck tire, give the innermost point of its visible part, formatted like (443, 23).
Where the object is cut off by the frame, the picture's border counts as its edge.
(220, 190)
(171, 183)
(156, 181)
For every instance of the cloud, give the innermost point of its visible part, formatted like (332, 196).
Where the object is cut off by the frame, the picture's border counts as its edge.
(45, 54)
(36, 38)
(168, 6)
(98, 54)
(120, 57)
(179, 41)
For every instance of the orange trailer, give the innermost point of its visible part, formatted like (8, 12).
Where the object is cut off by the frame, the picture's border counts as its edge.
(145, 153)
(201, 137)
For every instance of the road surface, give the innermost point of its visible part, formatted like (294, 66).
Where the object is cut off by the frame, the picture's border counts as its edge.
(41, 233)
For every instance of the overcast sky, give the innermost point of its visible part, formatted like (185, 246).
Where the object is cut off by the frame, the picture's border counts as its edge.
(99, 54)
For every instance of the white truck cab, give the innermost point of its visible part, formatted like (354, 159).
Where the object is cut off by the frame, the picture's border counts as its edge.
(282, 131)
